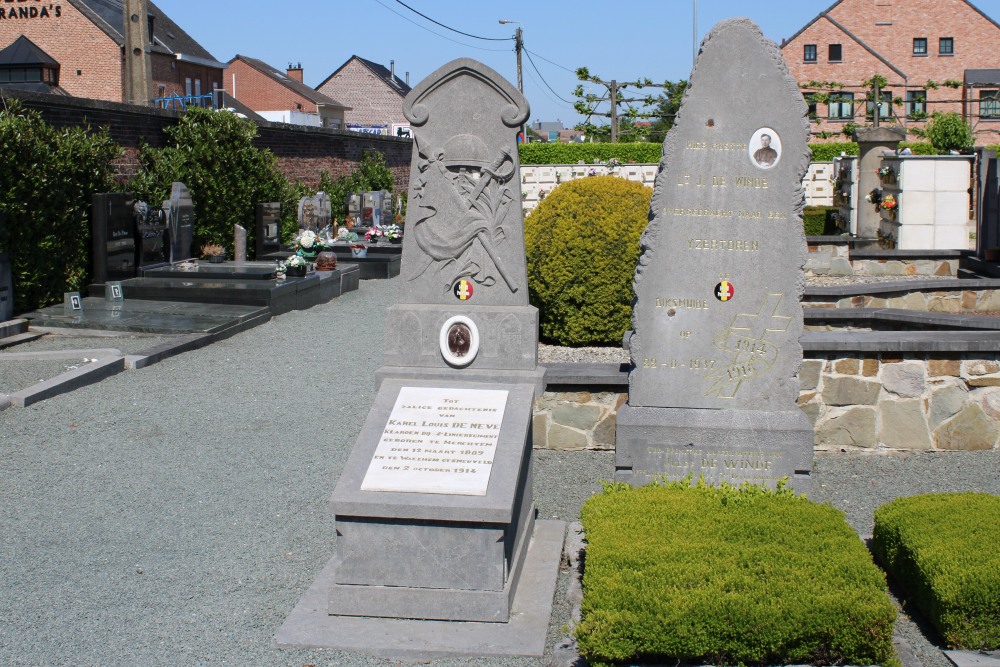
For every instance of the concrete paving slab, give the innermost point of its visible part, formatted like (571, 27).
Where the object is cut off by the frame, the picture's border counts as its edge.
(971, 659)
(310, 626)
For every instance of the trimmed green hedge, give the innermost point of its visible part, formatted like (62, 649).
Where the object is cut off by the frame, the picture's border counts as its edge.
(639, 153)
(48, 178)
(726, 576)
(826, 152)
(582, 244)
(814, 220)
(942, 548)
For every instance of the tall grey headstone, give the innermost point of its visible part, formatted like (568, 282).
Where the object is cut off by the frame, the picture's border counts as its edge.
(179, 211)
(715, 349)
(434, 509)
(315, 212)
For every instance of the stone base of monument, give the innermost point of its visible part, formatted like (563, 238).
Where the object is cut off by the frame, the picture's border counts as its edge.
(438, 550)
(732, 446)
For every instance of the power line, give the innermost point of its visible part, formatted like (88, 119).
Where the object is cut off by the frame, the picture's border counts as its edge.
(546, 93)
(571, 71)
(436, 34)
(488, 39)
(535, 67)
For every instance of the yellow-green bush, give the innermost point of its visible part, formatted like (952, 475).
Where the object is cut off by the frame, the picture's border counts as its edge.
(942, 548)
(722, 576)
(582, 244)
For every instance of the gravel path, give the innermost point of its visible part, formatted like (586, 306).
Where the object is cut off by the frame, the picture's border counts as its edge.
(174, 515)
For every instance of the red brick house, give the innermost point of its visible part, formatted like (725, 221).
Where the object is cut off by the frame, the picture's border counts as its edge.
(280, 97)
(374, 94)
(931, 53)
(84, 38)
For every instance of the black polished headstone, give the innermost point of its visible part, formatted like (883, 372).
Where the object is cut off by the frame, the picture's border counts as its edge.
(180, 220)
(152, 234)
(113, 237)
(268, 237)
(6, 284)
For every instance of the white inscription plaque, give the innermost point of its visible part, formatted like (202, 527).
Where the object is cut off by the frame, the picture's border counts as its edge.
(438, 441)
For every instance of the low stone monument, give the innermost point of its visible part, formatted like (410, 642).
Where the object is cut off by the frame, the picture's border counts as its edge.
(438, 550)
(153, 236)
(179, 215)
(715, 349)
(239, 243)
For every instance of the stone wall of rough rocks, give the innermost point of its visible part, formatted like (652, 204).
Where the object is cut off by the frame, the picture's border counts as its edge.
(887, 401)
(834, 260)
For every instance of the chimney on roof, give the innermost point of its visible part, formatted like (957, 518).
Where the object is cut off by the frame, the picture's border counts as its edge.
(295, 72)
(407, 78)
(392, 69)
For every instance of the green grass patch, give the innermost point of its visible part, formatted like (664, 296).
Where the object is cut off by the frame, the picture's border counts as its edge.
(726, 576)
(943, 549)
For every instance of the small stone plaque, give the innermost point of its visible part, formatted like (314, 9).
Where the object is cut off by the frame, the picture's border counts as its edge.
(438, 440)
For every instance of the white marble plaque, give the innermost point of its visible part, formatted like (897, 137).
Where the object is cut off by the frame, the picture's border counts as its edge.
(438, 441)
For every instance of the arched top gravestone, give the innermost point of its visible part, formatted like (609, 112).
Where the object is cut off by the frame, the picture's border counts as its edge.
(464, 209)
(717, 318)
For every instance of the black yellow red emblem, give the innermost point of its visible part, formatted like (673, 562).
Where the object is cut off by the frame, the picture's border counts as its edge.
(725, 291)
(463, 290)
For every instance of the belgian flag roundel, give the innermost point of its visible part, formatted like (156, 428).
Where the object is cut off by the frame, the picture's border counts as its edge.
(724, 291)
(463, 290)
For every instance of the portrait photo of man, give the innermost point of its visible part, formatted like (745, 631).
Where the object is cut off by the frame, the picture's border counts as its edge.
(765, 148)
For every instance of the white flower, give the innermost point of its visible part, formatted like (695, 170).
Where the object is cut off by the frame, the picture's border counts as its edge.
(307, 238)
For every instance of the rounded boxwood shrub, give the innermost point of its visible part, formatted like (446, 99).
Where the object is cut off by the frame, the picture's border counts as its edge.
(582, 245)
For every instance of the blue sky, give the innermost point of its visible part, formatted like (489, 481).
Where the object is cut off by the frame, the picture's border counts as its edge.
(616, 40)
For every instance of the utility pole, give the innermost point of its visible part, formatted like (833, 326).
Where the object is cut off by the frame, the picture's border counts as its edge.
(614, 111)
(138, 68)
(518, 47)
(876, 104)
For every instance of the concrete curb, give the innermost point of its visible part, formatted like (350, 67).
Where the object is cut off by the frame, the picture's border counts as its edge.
(80, 377)
(158, 353)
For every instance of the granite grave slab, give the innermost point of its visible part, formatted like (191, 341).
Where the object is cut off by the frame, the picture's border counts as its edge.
(715, 348)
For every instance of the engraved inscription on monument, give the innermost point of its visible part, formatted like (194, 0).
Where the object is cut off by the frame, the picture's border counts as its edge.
(438, 441)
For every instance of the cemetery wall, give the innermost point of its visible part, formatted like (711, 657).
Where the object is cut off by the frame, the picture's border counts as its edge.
(302, 152)
(892, 401)
(537, 181)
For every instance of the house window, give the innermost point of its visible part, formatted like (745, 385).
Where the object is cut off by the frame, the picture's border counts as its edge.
(885, 108)
(813, 112)
(809, 53)
(916, 104)
(920, 46)
(841, 106)
(989, 104)
(946, 46)
(836, 53)
(187, 87)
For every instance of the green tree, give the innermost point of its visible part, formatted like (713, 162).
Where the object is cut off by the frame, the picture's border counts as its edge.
(45, 201)
(629, 110)
(665, 111)
(371, 174)
(949, 132)
(212, 152)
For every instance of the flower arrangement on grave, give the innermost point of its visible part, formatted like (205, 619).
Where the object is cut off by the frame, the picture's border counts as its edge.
(307, 243)
(346, 234)
(349, 221)
(884, 171)
(213, 252)
(592, 172)
(613, 163)
(874, 197)
(374, 234)
(889, 202)
(393, 232)
(295, 265)
(367, 213)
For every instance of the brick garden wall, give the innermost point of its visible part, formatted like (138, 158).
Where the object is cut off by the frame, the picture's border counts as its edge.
(303, 152)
